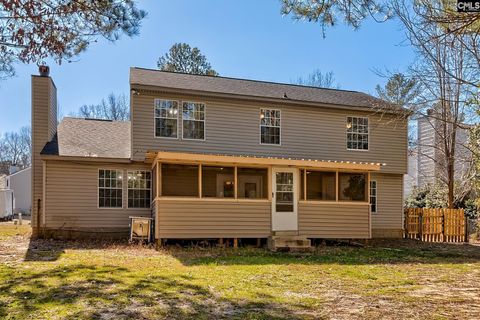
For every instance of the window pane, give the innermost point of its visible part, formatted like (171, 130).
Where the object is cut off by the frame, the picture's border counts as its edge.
(193, 129)
(352, 186)
(218, 182)
(320, 185)
(193, 111)
(270, 135)
(252, 183)
(166, 128)
(179, 180)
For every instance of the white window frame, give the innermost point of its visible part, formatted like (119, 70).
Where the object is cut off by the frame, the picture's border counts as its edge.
(150, 189)
(204, 121)
(98, 187)
(374, 197)
(367, 134)
(155, 118)
(262, 125)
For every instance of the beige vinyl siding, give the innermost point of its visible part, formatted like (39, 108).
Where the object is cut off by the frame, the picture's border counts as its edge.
(339, 221)
(72, 197)
(306, 132)
(389, 213)
(183, 218)
(44, 124)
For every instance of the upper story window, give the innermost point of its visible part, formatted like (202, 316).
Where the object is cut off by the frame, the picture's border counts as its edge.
(357, 133)
(193, 120)
(166, 118)
(110, 188)
(270, 126)
(139, 184)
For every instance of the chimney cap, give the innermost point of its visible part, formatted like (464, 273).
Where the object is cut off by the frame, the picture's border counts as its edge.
(44, 70)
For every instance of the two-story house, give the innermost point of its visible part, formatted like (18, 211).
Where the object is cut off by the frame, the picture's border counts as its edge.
(215, 157)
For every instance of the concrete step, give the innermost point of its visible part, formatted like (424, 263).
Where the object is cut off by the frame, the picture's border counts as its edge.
(289, 243)
(285, 233)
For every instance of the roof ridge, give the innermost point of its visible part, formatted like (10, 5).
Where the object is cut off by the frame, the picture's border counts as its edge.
(253, 80)
(95, 119)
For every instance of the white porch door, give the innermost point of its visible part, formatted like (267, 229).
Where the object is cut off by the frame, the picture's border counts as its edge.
(284, 199)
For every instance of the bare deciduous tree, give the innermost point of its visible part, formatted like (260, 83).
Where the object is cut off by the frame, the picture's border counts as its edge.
(319, 79)
(113, 108)
(15, 149)
(445, 68)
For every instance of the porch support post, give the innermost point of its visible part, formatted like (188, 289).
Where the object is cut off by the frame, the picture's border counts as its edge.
(304, 184)
(159, 179)
(336, 186)
(200, 180)
(235, 182)
(269, 183)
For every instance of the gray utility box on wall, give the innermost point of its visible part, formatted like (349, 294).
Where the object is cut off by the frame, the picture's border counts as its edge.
(140, 228)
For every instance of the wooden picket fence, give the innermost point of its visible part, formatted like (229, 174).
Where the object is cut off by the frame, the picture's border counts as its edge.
(435, 224)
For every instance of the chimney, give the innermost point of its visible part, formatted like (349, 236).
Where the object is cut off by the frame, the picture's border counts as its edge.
(44, 127)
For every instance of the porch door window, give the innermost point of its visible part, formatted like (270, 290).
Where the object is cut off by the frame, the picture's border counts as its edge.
(284, 192)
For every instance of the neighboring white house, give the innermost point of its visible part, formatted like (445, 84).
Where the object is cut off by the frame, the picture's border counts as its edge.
(21, 184)
(411, 178)
(425, 162)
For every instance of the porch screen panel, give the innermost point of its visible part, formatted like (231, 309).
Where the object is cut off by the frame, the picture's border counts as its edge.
(252, 183)
(321, 185)
(352, 186)
(179, 180)
(218, 182)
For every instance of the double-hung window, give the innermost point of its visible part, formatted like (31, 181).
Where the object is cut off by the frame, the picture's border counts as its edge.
(139, 184)
(166, 118)
(373, 196)
(193, 121)
(270, 126)
(357, 133)
(110, 188)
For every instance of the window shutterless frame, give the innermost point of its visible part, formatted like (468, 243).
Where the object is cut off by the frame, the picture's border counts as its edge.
(346, 132)
(155, 118)
(260, 125)
(204, 120)
(373, 197)
(149, 189)
(98, 188)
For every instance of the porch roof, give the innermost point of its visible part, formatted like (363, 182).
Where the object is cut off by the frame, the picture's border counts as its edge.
(226, 159)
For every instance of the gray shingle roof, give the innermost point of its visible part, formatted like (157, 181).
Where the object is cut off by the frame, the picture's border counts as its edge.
(91, 138)
(254, 88)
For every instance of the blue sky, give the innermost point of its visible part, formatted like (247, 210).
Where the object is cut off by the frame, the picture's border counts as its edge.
(241, 38)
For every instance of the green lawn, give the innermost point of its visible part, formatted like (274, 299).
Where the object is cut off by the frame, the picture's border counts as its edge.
(407, 280)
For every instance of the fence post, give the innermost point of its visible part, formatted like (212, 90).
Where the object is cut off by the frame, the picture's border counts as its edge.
(443, 225)
(466, 227)
(420, 225)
